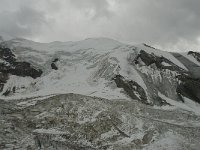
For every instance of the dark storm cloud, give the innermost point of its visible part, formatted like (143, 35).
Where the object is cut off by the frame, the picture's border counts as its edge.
(165, 23)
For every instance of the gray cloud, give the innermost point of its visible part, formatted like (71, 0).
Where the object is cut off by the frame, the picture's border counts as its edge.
(100, 7)
(165, 23)
(22, 21)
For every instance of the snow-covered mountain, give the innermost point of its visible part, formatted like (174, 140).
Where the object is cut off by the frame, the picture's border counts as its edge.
(98, 67)
(160, 81)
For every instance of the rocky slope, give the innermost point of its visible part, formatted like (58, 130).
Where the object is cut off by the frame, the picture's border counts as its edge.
(124, 96)
(71, 121)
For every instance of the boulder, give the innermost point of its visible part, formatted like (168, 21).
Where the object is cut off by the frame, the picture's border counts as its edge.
(53, 66)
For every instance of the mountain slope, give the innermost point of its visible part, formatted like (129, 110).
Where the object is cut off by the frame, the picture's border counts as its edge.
(90, 67)
(72, 121)
(140, 83)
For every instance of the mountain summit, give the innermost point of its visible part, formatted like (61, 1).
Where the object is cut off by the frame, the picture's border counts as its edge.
(98, 94)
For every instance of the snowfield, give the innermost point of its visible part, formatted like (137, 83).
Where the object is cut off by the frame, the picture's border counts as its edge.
(99, 93)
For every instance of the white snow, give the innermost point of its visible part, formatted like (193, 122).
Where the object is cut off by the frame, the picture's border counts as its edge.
(32, 102)
(100, 44)
(85, 67)
(49, 131)
(20, 83)
(165, 64)
(169, 141)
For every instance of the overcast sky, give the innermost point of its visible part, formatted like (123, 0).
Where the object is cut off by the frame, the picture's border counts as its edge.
(167, 24)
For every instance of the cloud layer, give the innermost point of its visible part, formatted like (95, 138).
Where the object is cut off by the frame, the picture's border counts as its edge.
(167, 24)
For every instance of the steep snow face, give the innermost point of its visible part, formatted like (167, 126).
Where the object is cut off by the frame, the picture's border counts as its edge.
(84, 67)
(89, 67)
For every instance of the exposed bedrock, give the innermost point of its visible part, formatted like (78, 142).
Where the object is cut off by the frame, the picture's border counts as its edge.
(184, 84)
(159, 61)
(132, 88)
(189, 87)
(196, 55)
(53, 64)
(10, 65)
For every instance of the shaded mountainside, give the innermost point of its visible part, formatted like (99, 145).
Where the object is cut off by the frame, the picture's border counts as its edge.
(190, 84)
(124, 96)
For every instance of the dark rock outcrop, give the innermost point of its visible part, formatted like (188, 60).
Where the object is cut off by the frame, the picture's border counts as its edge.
(189, 87)
(148, 46)
(132, 88)
(150, 59)
(7, 55)
(196, 55)
(55, 60)
(20, 69)
(53, 65)
(186, 84)
(10, 65)
(3, 77)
